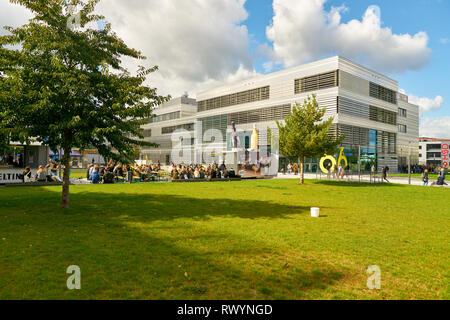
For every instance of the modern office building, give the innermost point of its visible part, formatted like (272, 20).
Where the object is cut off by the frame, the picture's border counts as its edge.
(434, 152)
(366, 107)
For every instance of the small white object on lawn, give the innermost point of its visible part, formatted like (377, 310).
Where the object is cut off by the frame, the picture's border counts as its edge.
(315, 212)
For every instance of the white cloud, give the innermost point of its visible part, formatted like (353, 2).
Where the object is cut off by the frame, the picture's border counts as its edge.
(427, 104)
(12, 15)
(303, 30)
(435, 127)
(197, 44)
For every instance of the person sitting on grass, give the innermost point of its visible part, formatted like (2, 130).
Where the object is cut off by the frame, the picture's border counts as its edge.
(26, 175)
(196, 173)
(41, 175)
(95, 177)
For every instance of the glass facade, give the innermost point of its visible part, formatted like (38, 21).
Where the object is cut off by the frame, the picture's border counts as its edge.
(368, 156)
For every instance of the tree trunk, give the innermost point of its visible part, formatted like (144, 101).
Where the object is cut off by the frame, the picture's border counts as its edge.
(302, 170)
(66, 179)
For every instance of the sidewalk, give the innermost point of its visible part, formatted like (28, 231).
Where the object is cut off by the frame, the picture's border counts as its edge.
(354, 178)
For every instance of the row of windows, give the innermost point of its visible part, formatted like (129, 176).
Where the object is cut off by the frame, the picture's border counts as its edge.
(317, 82)
(433, 155)
(382, 93)
(234, 99)
(165, 117)
(433, 146)
(260, 115)
(382, 115)
(188, 127)
(265, 114)
(385, 142)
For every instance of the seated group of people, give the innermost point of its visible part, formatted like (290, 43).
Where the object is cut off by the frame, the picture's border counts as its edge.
(49, 173)
(198, 171)
(121, 173)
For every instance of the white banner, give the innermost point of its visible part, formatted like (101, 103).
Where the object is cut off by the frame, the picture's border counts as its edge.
(10, 176)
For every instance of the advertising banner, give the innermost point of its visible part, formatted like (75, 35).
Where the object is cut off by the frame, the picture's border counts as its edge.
(10, 176)
(445, 155)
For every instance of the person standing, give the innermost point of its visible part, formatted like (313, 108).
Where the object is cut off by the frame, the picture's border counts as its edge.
(442, 177)
(385, 173)
(425, 177)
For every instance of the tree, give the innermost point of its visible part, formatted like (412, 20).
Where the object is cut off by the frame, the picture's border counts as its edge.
(67, 87)
(305, 134)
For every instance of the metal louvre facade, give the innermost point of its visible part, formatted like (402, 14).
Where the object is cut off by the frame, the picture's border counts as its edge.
(245, 117)
(317, 82)
(234, 99)
(382, 93)
(353, 108)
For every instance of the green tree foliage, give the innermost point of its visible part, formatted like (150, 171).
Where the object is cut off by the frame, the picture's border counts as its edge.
(67, 87)
(305, 135)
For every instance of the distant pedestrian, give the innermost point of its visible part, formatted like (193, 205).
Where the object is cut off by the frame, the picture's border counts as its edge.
(385, 173)
(441, 178)
(425, 177)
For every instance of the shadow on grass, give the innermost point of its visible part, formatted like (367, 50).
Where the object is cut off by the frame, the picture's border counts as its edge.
(127, 250)
(167, 207)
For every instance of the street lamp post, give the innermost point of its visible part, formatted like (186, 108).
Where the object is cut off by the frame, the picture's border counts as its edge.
(409, 162)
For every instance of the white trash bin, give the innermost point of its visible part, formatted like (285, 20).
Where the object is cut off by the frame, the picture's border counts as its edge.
(315, 212)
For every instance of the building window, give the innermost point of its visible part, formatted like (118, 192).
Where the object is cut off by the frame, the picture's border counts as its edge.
(372, 138)
(420, 155)
(433, 155)
(188, 127)
(382, 115)
(402, 128)
(433, 146)
(420, 147)
(382, 93)
(402, 112)
(234, 99)
(165, 117)
(147, 133)
(387, 142)
(260, 115)
(254, 116)
(317, 82)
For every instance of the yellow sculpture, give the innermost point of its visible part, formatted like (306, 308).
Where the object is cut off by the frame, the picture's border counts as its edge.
(255, 137)
(333, 161)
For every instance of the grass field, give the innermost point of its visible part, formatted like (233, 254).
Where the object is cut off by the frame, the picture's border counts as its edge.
(431, 176)
(225, 240)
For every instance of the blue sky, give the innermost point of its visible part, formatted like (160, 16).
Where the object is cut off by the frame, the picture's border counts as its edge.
(402, 16)
(202, 44)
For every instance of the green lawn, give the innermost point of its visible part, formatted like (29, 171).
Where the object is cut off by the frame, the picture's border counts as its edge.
(431, 176)
(78, 173)
(225, 240)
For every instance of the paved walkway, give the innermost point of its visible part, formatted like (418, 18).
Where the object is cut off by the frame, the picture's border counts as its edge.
(355, 178)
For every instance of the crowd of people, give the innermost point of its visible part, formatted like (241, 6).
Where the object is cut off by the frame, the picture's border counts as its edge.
(117, 172)
(47, 173)
(200, 172)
